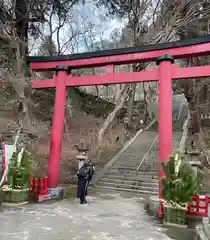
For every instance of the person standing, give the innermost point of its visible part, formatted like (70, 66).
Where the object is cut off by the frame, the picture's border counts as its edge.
(91, 171)
(83, 176)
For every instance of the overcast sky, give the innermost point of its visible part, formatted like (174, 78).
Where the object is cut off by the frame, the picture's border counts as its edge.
(99, 18)
(102, 26)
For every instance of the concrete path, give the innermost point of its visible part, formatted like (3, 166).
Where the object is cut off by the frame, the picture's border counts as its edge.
(105, 218)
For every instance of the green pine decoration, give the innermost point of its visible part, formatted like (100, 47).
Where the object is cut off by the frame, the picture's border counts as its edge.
(180, 185)
(18, 175)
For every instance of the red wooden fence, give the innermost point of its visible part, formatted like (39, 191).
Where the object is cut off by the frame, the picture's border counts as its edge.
(199, 206)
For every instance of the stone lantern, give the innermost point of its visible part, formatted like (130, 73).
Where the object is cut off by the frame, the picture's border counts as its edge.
(80, 159)
(195, 158)
(195, 162)
(82, 156)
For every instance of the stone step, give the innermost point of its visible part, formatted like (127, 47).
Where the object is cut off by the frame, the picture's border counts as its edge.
(130, 182)
(124, 168)
(5, 113)
(132, 168)
(126, 175)
(140, 192)
(129, 186)
(135, 165)
(132, 171)
(144, 169)
(129, 158)
(117, 181)
(148, 182)
(128, 165)
(133, 178)
(135, 162)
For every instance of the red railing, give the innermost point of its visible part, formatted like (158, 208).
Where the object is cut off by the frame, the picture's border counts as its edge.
(39, 186)
(198, 206)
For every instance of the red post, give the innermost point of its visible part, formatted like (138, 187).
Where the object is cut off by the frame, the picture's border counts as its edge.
(33, 184)
(3, 160)
(44, 185)
(57, 126)
(164, 115)
(39, 185)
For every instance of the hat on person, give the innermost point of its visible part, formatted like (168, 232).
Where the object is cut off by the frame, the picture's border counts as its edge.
(81, 157)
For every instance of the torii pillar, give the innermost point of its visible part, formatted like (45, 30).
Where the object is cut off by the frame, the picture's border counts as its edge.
(57, 126)
(165, 63)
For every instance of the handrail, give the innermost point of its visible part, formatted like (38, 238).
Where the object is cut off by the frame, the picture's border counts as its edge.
(151, 146)
(184, 134)
(145, 156)
(180, 110)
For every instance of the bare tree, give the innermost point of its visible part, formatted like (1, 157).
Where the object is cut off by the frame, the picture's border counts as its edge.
(150, 23)
(19, 21)
(17, 77)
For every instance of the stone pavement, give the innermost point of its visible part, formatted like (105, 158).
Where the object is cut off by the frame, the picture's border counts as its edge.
(105, 217)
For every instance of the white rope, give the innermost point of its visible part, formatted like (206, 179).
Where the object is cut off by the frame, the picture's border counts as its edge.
(3, 177)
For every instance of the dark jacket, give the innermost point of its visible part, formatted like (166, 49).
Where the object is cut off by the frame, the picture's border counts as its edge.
(82, 181)
(82, 173)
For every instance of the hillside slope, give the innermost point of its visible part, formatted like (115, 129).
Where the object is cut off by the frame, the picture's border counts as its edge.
(82, 127)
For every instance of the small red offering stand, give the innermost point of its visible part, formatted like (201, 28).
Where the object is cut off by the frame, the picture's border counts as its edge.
(39, 189)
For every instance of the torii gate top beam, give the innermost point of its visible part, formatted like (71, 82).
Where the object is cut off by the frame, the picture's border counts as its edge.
(179, 49)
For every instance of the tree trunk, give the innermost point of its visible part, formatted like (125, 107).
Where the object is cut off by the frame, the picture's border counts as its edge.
(22, 23)
(68, 112)
(19, 75)
(145, 104)
(130, 105)
(150, 104)
(97, 91)
(119, 104)
(118, 91)
(145, 109)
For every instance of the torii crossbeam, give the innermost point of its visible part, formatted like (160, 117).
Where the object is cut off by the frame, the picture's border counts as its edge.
(164, 55)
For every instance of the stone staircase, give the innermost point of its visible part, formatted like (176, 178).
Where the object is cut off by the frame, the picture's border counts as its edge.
(136, 169)
(124, 176)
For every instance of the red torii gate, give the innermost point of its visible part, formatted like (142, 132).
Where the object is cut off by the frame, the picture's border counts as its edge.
(164, 55)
